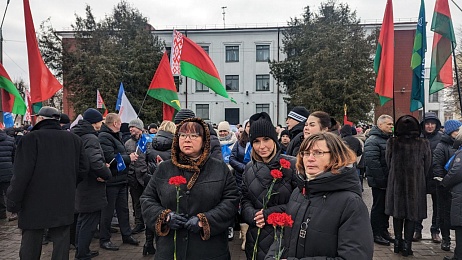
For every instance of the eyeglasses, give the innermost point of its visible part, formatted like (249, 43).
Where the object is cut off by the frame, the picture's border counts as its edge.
(192, 136)
(316, 154)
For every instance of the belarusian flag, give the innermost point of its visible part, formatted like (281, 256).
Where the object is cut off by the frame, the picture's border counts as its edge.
(384, 57)
(193, 62)
(100, 103)
(444, 40)
(418, 62)
(163, 88)
(11, 99)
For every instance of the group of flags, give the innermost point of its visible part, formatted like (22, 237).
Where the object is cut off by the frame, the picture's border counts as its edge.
(441, 71)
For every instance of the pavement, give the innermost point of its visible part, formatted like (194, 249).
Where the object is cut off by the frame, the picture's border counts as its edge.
(10, 241)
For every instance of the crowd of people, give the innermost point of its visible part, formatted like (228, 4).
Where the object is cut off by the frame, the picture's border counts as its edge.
(192, 184)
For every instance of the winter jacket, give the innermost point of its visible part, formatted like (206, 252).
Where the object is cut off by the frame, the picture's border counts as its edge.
(138, 170)
(212, 196)
(257, 180)
(441, 155)
(374, 158)
(453, 181)
(111, 143)
(337, 220)
(90, 195)
(294, 145)
(7, 150)
(48, 164)
(162, 146)
(236, 160)
(409, 160)
(434, 138)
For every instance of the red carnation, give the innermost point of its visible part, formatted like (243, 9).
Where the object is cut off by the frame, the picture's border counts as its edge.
(280, 220)
(277, 174)
(288, 222)
(284, 163)
(177, 180)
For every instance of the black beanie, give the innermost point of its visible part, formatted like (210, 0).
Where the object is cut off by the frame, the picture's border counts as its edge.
(182, 115)
(285, 132)
(64, 119)
(262, 126)
(299, 113)
(92, 115)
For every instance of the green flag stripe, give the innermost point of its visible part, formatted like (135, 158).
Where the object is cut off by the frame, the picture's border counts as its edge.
(19, 106)
(167, 96)
(443, 25)
(378, 56)
(191, 71)
(384, 100)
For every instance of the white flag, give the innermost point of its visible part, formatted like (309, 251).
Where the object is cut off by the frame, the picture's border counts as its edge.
(126, 111)
(76, 121)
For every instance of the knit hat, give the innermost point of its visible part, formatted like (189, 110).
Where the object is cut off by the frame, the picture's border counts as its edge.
(136, 123)
(299, 113)
(285, 132)
(224, 126)
(152, 126)
(182, 115)
(64, 119)
(92, 115)
(262, 126)
(451, 126)
(50, 112)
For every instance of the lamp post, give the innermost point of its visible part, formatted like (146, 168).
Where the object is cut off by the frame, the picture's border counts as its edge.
(1, 55)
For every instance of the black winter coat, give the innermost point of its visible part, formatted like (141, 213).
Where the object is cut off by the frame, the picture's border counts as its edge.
(338, 220)
(374, 158)
(453, 181)
(7, 150)
(162, 146)
(111, 143)
(90, 195)
(434, 138)
(256, 182)
(236, 161)
(294, 145)
(441, 155)
(48, 164)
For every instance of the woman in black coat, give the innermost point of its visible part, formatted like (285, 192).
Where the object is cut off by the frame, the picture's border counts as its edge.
(257, 180)
(208, 201)
(161, 145)
(409, 158)
(330, 218)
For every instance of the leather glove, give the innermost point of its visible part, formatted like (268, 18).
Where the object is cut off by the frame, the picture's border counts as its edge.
(176, 221)
(193, 225)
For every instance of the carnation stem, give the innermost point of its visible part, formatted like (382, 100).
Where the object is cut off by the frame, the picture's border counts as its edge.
(254, 255)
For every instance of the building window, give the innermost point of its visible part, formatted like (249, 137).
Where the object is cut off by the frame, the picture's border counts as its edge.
(202, 111)
(232, 53)
(206, 49)
(263, 82)
(262, 108)
(201, 87)
(433, 98)
(263, 52)
(232, 83)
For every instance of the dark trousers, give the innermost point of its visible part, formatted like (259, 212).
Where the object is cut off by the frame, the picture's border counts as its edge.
(444, 211)
(135, 191)
(379, 220)
(86, 227)
(3, 188)
(435, 228)
(31, 243)
(458, 249)
(117, 198)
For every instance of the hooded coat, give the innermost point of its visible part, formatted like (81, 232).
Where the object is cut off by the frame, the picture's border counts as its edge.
(434, 138)
(7, 150)
(374, 158)
(453, 181)
(210, 194)
(409, 158)
(352, 142)
(441, 155)
(162, 146)
(337, 220)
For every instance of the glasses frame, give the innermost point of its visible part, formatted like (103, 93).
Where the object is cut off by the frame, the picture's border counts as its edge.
(192, 136)
(316, 154)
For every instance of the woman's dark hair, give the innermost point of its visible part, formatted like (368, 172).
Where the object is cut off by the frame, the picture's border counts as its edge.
(192, 127)
(244, 137)
(324, 118)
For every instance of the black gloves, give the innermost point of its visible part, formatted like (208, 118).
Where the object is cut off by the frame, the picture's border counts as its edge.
(193, 225)
(176, 221)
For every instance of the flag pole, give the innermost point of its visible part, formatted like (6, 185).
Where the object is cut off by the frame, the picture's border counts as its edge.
(457, 74)
(141, 107)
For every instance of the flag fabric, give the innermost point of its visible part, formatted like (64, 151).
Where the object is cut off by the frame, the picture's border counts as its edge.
(43, 85)
(444, 40)
(384, 57)
(11, 99)
(345, 117)
(143, 143)
(126, 110)
(100, 103)
(418, 62)
(168, 112)
(76, 121)
(2, 126)
(27, 116)
(163, 86)
(120, 162)
(195, 63)
(119, 96)
(8, 119)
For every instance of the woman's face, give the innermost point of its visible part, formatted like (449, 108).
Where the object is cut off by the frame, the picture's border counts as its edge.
(317, 159)
(190, 144)
(247, 128)
(263, 146)
(312, 126)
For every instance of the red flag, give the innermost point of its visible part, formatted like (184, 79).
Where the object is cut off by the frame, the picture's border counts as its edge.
(167, 112)
(100, 103)
(43, 85)
(345, 117)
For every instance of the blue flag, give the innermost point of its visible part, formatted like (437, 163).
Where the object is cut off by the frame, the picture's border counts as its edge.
(120, 162)
(119, 96)
(8, 119)
(143, 143)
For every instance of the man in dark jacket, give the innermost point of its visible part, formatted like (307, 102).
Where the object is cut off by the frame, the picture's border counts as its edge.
(116, 187)
(431, 126)
(377, 174)
(295, 123)
(49, 162)
(7, 149)
(90, 197)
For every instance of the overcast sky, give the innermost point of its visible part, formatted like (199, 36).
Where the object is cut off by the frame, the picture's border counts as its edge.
(182, 13)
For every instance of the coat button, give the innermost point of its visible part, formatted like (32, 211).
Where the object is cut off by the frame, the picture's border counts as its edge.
(187, 192)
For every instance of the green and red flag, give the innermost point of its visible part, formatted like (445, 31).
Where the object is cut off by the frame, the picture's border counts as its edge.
(163, 88)
(444, 40)
(43, 85)
(418, 62)
(100, 103)
(11, 99)
(384, 57)
(190, 60)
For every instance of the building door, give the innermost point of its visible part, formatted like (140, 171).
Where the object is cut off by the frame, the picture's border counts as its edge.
(232, 115)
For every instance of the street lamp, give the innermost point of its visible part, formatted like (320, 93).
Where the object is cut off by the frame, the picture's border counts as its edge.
(1, 55)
